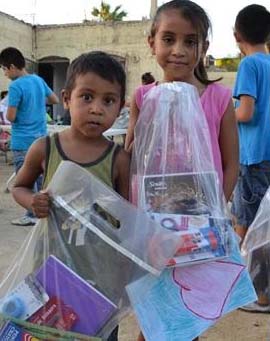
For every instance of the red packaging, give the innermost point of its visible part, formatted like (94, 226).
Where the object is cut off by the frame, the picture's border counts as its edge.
(55, 313)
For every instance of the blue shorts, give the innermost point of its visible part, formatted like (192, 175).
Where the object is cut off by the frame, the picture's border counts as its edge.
(18, 160)
(251, 186)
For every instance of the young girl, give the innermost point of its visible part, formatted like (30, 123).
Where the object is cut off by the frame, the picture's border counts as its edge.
(94, 94)
(178, 39)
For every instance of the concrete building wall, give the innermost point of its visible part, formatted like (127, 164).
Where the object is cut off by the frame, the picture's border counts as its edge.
(125, 39)
(15, 33)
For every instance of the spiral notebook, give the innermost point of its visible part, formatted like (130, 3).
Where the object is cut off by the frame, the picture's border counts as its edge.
(91, 306)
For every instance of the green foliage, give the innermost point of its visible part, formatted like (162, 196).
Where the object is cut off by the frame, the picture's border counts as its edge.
(104, 13)
(229, 64)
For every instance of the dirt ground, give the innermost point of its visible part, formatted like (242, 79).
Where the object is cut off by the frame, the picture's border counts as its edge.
(237, 326)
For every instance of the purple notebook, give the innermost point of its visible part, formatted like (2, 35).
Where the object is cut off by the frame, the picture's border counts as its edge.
(91, 306)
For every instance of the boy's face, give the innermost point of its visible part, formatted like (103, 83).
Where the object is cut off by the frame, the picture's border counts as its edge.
(94, 104)
(10, 72)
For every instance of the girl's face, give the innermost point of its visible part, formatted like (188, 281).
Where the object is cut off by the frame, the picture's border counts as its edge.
(177, 46)
(94, 104)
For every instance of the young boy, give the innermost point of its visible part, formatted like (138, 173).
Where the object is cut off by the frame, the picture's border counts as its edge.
(27, 96)
(94, 94)
(252, 94)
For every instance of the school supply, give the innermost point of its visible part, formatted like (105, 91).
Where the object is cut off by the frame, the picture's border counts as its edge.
(178, 202)
(12, 332)
(55, 313)
(24, 300)
(92, 308)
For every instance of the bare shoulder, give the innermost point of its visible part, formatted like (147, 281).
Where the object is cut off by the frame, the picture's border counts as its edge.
(39, 147)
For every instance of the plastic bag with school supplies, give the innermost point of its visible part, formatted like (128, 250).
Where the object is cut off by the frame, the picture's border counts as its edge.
(256, 249)
(72, 270)
(174, 179)
(174, 176)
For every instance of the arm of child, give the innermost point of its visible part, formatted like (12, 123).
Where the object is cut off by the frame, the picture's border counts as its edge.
(121, 173)
(11, 113)
(133, 117)
(30, 171)
(52, 99)
(228, 142)
(246, 108)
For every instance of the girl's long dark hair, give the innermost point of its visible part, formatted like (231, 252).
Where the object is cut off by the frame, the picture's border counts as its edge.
(199, 19)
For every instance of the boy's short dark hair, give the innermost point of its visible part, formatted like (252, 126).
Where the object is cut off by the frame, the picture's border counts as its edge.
(99, 63)
(253, 23)
(11, 55)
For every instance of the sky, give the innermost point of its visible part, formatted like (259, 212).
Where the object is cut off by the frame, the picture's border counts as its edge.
(222, 15)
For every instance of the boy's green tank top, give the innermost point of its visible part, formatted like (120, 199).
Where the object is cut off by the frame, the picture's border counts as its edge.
(102, 168)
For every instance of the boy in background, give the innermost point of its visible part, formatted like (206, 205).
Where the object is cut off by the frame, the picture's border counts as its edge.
(27, 97)
(252, 94)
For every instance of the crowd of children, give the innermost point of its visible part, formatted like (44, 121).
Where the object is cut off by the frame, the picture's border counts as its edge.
(94, 94)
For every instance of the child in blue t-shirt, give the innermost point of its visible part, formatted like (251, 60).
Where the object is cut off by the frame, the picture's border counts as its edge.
(252, 94)
(27, 97)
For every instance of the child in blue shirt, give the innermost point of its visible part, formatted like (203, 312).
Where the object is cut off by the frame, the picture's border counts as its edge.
(252, 94)
(26, 110)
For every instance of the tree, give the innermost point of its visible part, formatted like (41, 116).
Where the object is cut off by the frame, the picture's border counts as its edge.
(104, 12)
(228, 63)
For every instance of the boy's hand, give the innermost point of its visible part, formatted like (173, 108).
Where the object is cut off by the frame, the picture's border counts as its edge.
(40, 204)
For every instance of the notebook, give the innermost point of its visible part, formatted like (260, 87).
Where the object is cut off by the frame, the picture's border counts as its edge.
(12, 332)
(91, 306)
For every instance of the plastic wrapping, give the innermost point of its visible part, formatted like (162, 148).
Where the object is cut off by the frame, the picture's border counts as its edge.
(72, 270)
(175, 181)
(174, 178)
(256, 248)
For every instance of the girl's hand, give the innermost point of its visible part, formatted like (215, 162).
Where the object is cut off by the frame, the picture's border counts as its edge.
(40, 204)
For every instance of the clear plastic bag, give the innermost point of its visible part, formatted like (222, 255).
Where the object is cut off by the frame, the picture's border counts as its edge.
(72, 270)
(174, 178)
(256, 248)
(175, 181)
